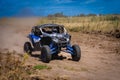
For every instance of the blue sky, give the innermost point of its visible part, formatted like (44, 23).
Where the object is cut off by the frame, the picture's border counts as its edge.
(10, 8)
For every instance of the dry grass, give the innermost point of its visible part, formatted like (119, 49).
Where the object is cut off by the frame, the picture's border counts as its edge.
(11, 67)
(109, 24)
(94, 24)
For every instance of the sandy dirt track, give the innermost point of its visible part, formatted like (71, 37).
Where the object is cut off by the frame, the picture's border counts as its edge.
(100, 58)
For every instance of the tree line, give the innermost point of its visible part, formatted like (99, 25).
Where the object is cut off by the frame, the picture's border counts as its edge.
(79, 15)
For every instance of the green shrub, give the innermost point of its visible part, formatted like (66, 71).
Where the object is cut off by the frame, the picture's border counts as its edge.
(40, 67)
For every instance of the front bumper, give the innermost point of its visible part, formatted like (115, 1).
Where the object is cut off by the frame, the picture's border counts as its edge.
(62, 44)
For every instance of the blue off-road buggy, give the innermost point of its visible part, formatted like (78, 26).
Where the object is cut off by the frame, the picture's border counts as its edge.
(50, 39)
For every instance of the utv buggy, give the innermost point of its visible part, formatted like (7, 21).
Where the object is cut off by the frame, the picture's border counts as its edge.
(50, 39)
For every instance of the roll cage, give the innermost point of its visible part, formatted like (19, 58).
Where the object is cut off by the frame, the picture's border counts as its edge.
(48, 29)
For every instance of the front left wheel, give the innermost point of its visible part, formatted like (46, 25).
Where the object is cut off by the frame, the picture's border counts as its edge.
(28, 48)
(46, 54)
(77, 53)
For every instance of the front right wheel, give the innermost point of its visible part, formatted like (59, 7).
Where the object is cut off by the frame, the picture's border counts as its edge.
(45, 54)
(76, 53)
(28, 48)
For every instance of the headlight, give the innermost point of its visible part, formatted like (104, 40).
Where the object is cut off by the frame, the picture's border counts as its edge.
(55, 40)
(68, 39)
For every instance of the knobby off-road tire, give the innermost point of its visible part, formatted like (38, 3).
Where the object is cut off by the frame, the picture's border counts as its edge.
(77, 53)
(28, 48)
(45, 54)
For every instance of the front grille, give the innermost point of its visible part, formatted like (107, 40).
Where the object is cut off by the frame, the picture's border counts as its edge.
(62, 39)
(63, 44)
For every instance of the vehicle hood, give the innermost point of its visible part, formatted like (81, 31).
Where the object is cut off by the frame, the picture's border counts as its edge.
(56, 35)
